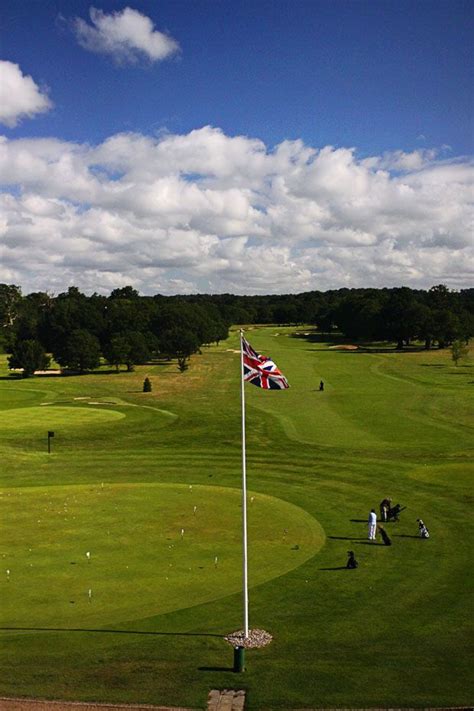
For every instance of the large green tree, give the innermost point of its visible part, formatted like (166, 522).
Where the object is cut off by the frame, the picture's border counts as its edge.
(447, 327)
(402, 316)
(10, 298)
(72, 310)
(358, 314)
(80, 351)
(28, 354)
(130, 348)
(180, 343)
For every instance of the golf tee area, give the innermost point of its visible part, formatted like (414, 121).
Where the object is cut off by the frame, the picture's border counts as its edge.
(121, 547)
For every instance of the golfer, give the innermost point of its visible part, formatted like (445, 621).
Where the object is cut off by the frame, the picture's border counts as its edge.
(385, 506)
(372, 522)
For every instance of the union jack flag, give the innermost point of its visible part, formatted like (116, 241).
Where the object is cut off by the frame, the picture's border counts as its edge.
(261, 371)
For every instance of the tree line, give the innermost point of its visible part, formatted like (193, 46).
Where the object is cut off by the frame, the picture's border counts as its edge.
(123, 329)
(127, 329)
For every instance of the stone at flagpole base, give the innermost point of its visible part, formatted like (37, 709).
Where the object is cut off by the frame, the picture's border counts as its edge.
(256, 638)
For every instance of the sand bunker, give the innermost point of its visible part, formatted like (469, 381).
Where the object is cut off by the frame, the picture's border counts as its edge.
(48, 372)
(343, 348)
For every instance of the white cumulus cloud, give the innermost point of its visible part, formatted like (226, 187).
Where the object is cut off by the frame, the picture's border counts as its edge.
(126, 35)
(209, 212)
(20, 96)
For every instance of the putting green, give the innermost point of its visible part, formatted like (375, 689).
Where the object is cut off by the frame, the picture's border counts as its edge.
(53, 417)
(153, 548)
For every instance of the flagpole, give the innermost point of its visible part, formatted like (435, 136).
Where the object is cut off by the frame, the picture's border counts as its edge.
(244, 497)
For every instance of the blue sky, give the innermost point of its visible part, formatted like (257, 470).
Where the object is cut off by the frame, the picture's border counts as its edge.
(317, 139)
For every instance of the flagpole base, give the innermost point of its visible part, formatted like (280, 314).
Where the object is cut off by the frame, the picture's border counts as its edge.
(256, 638)
(239, 660)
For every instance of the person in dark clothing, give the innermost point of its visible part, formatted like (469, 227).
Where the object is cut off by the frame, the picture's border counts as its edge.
(394, 513)
(385, 506)
(321, 385)
(351, 561)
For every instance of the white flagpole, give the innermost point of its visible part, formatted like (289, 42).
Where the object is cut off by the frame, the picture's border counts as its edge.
(244, 497)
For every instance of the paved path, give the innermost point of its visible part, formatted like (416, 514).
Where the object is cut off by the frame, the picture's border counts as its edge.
(226, 700)
(30, 705)
(218, 700)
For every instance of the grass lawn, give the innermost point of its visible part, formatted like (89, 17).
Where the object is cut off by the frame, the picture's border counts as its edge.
(149, 485)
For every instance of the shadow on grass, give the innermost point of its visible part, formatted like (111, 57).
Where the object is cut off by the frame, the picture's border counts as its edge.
(317, 337)
(346, 538)
(104, 371)
(369, 543)
(59, 376)
(76, 373)
(363, 346)
(406, 535)
(364, 520)
(66, 629)
(216, 669)
(340, 567)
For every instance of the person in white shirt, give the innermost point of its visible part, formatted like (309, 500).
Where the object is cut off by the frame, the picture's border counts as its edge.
(372, 524)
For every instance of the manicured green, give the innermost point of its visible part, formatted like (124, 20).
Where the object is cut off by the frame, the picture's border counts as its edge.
(127, 469)
(138, 549)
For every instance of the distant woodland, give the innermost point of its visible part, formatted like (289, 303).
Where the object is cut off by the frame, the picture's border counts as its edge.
(126, 329)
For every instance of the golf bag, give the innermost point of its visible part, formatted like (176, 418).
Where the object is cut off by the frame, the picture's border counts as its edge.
(394, 512)
(385, 536)
(424, 533)
(351, 561)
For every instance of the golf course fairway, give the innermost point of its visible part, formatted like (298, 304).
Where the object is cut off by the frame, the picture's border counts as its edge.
(121, 547)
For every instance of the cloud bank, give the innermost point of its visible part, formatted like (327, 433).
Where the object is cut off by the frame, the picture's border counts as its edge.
(213, 213)
(126, 35)
(20, 96)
